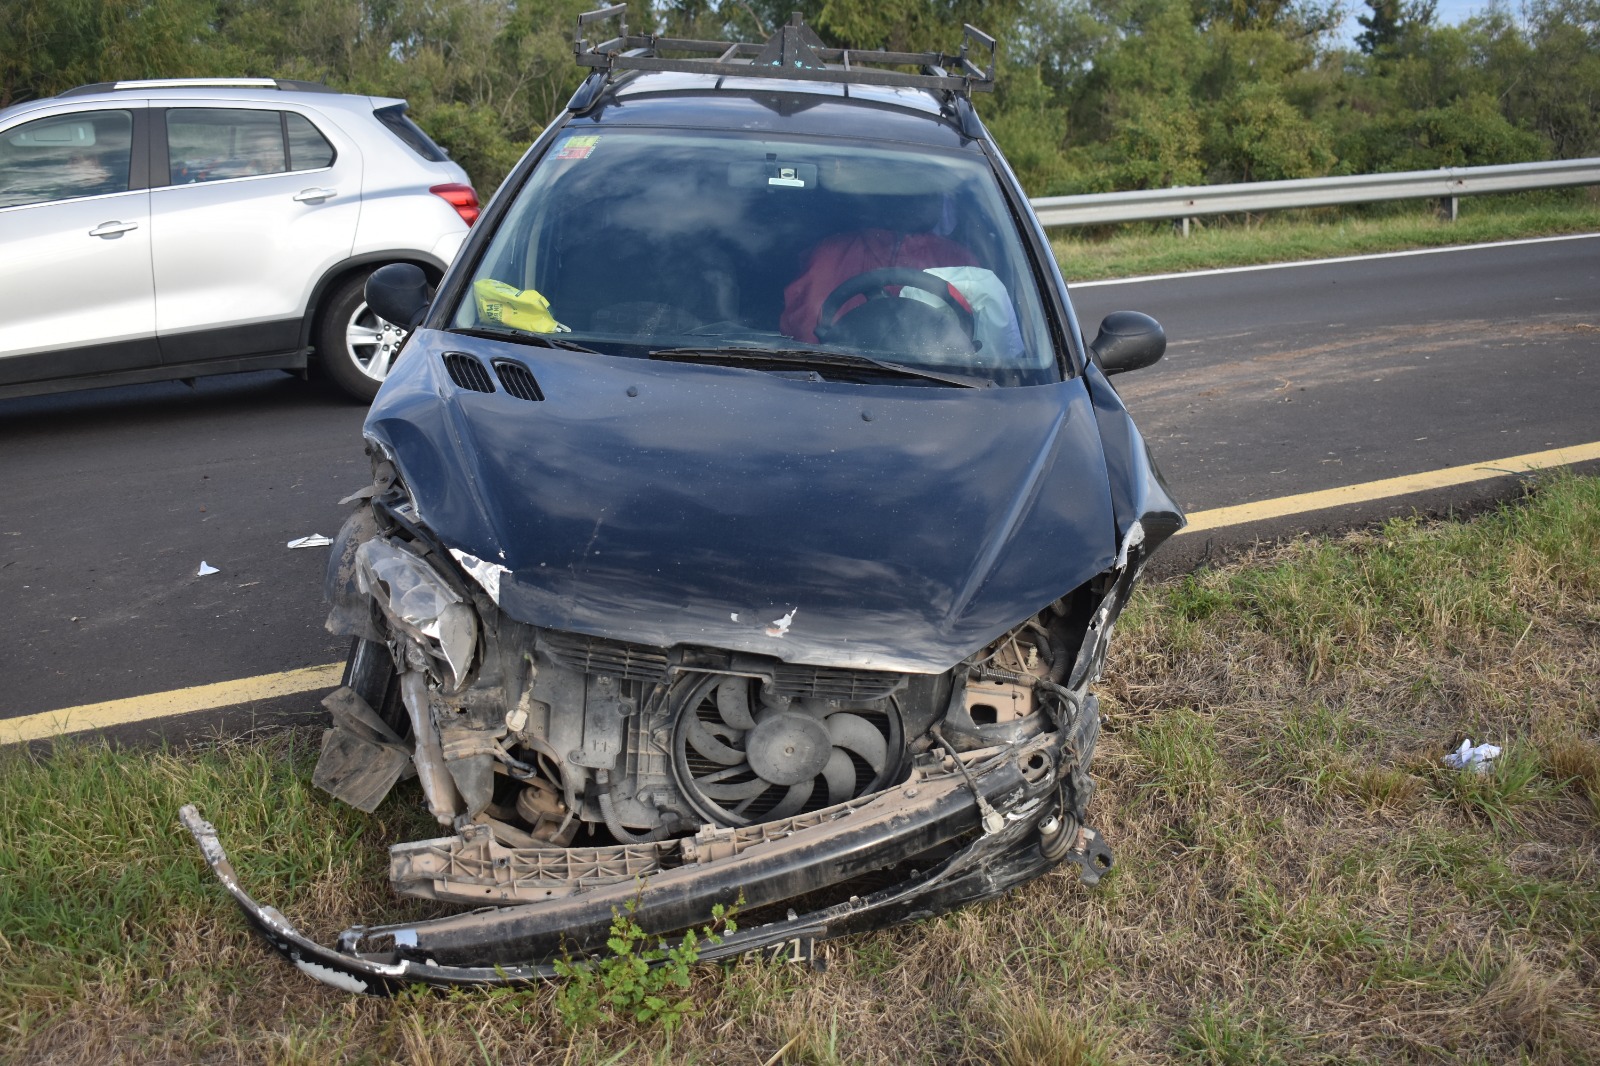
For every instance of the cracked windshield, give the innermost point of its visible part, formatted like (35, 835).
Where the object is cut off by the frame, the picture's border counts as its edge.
(767, 252)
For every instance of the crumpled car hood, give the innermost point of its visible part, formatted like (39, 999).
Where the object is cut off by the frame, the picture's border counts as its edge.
(891, 527)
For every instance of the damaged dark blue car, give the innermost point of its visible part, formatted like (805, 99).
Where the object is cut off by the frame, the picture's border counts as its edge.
(749, 520)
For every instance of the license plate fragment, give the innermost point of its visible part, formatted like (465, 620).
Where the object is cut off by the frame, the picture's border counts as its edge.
(800, 950)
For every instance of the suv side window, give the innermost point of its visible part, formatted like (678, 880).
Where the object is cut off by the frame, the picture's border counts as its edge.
(65, 156)
(308, 148)
(214, 144)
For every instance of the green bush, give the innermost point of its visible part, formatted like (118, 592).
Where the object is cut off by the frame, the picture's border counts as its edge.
(1093, 94)
(642, 979)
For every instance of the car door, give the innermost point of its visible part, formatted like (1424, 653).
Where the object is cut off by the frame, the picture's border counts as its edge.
(76, 295)
(252, 206)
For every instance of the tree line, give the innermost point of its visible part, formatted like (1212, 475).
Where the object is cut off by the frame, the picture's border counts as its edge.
(1093, 95)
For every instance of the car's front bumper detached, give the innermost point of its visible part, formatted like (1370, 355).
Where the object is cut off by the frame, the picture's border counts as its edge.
(949, 835)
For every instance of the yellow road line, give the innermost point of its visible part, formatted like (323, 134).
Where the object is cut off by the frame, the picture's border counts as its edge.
(315, 678)
(167, 704)
(1284, 506)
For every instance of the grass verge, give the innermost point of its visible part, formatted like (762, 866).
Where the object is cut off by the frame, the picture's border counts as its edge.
(1284, 237)
(1299, 880)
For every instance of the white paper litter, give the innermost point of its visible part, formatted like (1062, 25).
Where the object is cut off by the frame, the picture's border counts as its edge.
(315, 540)
(206, 568)
(1468, 757)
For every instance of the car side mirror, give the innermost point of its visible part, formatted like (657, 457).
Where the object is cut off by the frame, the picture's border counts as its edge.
(399, 293)
(1127, 341)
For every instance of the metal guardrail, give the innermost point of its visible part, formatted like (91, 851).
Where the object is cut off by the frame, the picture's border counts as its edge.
(1189, 201)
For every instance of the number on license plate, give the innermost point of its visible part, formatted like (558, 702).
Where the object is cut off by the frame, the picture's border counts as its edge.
(797, 949)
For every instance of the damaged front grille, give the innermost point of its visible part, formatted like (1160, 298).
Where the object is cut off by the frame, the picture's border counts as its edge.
(834, 683)
(644, 663)
(641, 662)
(595, 655)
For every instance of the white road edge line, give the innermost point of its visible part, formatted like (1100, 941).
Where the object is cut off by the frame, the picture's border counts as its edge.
(1072, 285)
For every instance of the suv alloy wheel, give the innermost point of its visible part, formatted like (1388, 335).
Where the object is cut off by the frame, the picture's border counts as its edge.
(356, 346)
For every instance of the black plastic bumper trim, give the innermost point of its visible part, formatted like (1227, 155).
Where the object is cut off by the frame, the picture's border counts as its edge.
(479, 942)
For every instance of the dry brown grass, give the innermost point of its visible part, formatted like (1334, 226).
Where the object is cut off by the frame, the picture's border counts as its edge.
(1574, 759)
(1298, 879)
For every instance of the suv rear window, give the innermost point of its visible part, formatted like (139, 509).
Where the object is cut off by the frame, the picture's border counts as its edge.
(395, 119)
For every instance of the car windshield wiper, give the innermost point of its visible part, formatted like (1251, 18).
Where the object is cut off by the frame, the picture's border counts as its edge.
(521, 338)
(786, 358)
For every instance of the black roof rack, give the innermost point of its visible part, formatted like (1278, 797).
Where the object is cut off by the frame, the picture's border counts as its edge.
(794, 53)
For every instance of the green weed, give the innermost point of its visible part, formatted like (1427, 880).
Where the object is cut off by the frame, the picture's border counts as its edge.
(641, 978)
(1179, 751)
(1218, 1036)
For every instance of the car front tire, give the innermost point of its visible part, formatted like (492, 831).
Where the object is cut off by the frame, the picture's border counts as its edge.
(369, 673)
(356, 347)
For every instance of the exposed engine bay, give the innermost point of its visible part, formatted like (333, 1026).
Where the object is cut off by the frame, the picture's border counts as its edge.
(528, 739)
(574, 774)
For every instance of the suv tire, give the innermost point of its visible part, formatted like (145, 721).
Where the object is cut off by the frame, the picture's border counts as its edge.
(355, 345)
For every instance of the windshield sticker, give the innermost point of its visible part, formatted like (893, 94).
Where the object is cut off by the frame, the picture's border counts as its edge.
(578, 147)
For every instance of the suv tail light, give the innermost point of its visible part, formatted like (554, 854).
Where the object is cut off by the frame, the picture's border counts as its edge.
(461, 197)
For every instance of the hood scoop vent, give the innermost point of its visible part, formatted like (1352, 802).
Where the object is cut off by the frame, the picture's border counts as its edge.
(518, 380)
(467, 372)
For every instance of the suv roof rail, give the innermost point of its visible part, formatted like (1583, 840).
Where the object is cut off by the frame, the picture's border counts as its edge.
(794, 53)
(285, 84)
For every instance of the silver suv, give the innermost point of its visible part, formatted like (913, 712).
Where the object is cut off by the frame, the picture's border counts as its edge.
(152, 230)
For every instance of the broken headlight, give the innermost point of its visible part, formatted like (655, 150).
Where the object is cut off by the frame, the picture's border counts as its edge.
(419, 602)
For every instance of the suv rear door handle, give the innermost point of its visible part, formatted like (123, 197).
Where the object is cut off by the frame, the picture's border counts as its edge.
(314, 196)
(112, 230)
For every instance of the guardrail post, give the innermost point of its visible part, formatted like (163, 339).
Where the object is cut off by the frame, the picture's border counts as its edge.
(1455, 207)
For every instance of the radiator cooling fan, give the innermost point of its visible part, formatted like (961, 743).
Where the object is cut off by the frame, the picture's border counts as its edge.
(741, 760)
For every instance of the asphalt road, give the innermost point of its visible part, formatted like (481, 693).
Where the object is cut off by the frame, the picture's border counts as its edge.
(1290, 380)
(1276, 382)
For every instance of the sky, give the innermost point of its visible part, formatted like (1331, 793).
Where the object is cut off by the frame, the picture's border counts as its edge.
(1448, 13)
(1451, 12)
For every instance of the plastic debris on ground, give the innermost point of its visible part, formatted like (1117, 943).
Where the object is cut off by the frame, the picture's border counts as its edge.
(206, 568)
(315, 540)
(1470, 757)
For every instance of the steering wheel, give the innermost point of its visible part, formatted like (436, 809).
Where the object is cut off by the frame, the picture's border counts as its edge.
(872, 285)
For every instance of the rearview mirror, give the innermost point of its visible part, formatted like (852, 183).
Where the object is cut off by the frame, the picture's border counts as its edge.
(399, 293)
(1128, 340)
